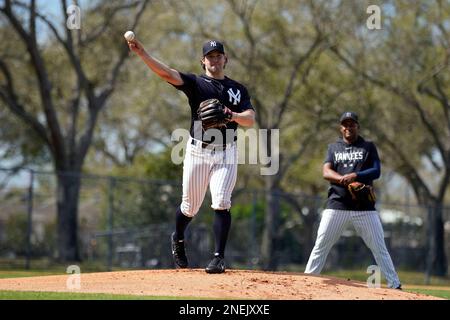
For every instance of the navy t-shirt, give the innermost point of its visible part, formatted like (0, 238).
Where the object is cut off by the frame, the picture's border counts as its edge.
(231, 93)
(347, 158)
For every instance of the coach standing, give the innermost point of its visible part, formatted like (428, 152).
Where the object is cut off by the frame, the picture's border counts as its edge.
(351, 159)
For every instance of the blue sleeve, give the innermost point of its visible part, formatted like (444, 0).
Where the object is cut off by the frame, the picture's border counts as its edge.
(374, 171)
(371, 173)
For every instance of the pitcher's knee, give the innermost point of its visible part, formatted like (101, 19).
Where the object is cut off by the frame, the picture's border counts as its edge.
(188, 210)
(221, 204)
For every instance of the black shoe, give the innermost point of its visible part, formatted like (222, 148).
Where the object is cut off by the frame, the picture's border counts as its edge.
(178, 253)
(217, 265)
(399, 287)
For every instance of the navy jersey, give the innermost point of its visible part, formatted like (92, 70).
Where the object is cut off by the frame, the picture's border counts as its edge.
(346, 158)
(231, 93)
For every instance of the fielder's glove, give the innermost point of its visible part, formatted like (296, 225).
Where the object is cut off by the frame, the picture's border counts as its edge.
(361, 194)
(213, 114)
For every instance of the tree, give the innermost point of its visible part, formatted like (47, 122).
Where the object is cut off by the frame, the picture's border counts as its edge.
(72, 88)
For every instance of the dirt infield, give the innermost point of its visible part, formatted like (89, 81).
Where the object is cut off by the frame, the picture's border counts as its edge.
(234, 284)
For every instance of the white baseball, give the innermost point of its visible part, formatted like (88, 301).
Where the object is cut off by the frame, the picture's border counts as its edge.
(129, 35)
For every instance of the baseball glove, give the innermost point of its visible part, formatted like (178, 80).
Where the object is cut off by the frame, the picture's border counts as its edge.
(361, 193)
(213, 114)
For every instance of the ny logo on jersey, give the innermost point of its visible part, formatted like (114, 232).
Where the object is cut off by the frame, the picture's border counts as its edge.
(212, 43)
(234, 97)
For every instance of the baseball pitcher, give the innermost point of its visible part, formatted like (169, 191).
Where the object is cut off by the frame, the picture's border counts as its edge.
(218, 105)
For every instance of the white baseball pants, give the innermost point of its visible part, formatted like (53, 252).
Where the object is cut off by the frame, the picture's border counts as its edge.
(367, 225)
(203, 166)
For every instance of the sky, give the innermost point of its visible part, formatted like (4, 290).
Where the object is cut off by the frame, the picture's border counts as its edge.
(54, 6)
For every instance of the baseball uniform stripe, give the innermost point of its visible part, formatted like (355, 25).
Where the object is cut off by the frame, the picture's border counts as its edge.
(332, 225)
(368, 226)
(223, 180)
(196, 175)
(202, 166)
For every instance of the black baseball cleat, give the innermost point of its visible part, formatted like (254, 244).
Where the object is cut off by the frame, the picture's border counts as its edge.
(217, 265)
(178, 252)
(399, 287)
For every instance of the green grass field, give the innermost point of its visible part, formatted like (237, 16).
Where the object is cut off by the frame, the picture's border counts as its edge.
(432, 292)
(26, 273)
(412, 282)
(31, 295)
(406, 277)
(23, 295)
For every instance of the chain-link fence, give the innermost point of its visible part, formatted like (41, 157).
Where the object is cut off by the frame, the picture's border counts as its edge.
(126, 223)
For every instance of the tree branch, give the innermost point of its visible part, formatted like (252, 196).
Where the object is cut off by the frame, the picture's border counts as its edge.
(33, 20)
(45, 87)
(407, 169)
(98, 102)
(8, 95)
(408, 98)
(81, 78)
(67, 44)
(289, 89)
(444, 185)
(440, 97)
(446, 37)
(110, 156)
(112, 78)
(435, 165)
(108, 19)
(244, 14)
(74, 107)
(294, 156)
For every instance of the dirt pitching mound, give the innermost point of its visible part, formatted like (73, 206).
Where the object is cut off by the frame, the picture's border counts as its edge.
(233, 284)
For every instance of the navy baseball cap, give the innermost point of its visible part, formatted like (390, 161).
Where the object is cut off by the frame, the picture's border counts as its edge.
(349, 115)
(212, 45)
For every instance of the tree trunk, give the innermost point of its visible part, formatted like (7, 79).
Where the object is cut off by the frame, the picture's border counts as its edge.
(436, 257)
(68, 191)
(307, 235)
(271, 222)
(309, 232)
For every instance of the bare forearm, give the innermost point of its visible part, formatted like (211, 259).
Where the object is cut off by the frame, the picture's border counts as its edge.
(162, 70)
(334, 177)
(331, 175)
(246, 118)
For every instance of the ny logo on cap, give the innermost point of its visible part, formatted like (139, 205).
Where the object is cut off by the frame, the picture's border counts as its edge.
(348, 114)
(212, 43)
